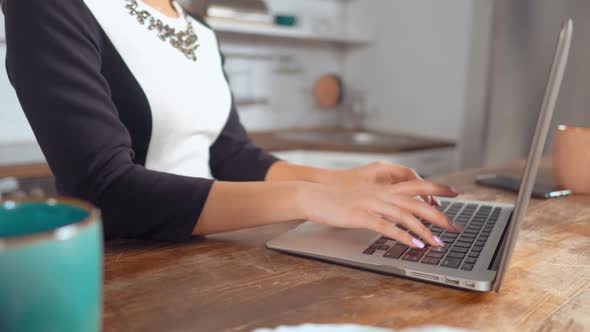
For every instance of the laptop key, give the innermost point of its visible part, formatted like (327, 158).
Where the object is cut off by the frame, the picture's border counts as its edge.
(433, 254)
(454, 254)
(430, 260)
(480, 243)
(380, 241)
(413, 255)
(396, 251)
(474, 254)
(467, 267)
(383, 247)
(448, 241)
(471, 260)
(464, 240)
(476, 248)
(446, 236)
(463, 244)
(460, 250)
(369, 251)
(425, 249)
(439, 249)
(452, 263)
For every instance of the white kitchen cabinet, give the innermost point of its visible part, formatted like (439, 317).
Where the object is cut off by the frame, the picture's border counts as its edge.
(426, 162)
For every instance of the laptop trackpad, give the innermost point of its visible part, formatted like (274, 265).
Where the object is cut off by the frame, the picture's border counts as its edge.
(319, 240)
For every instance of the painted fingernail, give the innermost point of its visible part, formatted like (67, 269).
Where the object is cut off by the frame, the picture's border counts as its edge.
(437, 202)
(439, 241)
(456, 191)
(417, 243)
(458, 227)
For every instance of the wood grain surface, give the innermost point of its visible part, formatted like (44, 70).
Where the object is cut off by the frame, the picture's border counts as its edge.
(231, 282)
(24, 170)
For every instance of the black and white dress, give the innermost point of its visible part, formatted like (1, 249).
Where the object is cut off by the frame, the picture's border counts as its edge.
(124, 119)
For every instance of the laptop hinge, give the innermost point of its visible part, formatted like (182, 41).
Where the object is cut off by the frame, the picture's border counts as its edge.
(497, 258)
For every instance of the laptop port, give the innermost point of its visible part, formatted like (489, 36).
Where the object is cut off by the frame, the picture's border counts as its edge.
(424, 276)
(470, 284)
(450, 281)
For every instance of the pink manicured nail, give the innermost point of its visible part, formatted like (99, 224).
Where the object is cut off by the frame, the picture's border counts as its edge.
(459, 227)
(437, 202)
(439, 241)
(456, 191)
(417, 243)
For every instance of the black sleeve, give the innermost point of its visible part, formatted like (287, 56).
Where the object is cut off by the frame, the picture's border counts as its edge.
(234, 157)
(54, 62)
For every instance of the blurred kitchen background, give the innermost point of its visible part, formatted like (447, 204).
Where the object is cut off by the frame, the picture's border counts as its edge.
(437, 85)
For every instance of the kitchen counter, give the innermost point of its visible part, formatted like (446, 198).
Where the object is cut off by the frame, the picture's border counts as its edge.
(294, 139)
(298, 139)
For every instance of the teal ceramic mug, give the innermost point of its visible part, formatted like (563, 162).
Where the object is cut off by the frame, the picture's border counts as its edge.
(50, 265)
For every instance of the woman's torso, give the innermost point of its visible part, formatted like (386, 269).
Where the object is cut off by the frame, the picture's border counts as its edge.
(174, 107)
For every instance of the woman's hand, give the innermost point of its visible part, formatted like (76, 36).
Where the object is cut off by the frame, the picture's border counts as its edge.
(382, 208)
(379, 172)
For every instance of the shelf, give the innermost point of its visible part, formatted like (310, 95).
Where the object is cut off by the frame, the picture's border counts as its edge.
(273, 31)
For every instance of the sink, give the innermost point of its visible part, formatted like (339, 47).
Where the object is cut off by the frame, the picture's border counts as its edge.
(359, 138)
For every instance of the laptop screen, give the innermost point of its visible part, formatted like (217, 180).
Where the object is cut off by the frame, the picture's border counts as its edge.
(536, 152)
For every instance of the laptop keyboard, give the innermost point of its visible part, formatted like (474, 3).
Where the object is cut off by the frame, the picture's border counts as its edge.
(461, 250)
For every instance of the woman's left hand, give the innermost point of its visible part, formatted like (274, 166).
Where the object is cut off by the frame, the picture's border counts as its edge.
(379, 172)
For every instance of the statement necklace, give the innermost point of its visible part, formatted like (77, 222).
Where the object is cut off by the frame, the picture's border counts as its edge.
(185, 41)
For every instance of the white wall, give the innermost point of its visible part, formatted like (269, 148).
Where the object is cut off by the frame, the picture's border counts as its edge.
(287, 86)
(415, 73)
(473, 140)
(526, 33)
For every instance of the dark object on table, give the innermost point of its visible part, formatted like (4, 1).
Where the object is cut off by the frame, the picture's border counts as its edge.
(541, 190)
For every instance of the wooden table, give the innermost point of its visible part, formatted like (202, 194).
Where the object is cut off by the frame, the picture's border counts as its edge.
(232, 282)
(25, 170)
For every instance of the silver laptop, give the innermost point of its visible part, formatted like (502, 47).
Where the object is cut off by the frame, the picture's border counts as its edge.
(475, 259)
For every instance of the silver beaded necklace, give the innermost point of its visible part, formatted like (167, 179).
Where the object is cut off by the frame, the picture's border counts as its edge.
(185, 41)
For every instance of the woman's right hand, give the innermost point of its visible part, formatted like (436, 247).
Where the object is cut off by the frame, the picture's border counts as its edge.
(380, 208)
